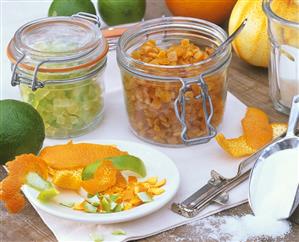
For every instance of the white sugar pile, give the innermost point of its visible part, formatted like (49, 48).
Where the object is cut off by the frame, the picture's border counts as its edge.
(247, 227)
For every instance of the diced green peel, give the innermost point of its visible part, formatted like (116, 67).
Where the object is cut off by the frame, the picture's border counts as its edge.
(123, 162)
(95, 201)
(37, 182)
(113, 205)
(114, 197)
(105, 204)
(119, 208)
(119, 232)
(144, 197)
(67, 204)
(89, 208)
(47, 195)
(97, 237)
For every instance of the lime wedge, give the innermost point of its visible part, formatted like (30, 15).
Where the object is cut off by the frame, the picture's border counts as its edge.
(122, 163)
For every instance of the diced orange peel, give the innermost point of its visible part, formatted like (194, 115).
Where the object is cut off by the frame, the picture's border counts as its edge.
(257, 133)
(17, 170)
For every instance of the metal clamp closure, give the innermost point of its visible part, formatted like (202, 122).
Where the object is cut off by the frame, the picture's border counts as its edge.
(180, 110)
(89, 17)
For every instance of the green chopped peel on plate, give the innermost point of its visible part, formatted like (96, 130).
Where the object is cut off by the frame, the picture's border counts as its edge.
(35, 181)
(47, 195)
(119, 232)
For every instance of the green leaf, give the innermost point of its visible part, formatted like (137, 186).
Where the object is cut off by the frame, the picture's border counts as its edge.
(122, 163)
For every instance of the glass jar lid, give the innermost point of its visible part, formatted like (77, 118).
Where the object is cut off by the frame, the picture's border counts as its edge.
(58, 44)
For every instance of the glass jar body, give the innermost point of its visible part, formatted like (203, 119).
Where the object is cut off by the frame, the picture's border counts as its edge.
(68, 108)
(150, 105)
(283, 34)
(151, 92)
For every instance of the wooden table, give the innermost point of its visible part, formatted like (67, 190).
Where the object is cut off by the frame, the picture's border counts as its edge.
(249, 84)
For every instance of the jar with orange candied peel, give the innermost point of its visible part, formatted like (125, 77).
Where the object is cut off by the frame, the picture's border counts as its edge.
(174, 87)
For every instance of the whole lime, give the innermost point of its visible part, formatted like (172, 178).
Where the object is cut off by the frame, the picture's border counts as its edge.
(115, 12)
(70, 7)
(21, 129)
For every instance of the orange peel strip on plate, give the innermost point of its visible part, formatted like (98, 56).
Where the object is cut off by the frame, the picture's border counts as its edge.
(10, 187)
(74, 156)
(236, 147)
(256, 127)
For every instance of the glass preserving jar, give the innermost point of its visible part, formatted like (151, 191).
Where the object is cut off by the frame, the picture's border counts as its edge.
(283, 31)
(58, 63)
(174, 104)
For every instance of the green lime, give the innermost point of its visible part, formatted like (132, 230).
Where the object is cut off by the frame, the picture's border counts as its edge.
(21, 129)
(115, 12)
(70, 7)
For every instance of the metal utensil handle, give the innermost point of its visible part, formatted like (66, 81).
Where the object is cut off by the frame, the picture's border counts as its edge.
(294, 117)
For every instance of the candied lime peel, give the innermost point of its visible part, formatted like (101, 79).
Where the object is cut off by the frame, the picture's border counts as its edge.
(123, 162)
(66, 109)
(144, 197)
(46, 189)
(97, 237)
(119, 232)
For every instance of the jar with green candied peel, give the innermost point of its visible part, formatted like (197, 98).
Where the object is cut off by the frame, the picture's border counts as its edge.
(58, 62)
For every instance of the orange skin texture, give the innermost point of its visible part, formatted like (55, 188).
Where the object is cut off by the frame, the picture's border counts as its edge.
(257, 132)
(256, 127)
(104, 178)
(10, 187)
(252, 44)
(216, 11)
(74, 156)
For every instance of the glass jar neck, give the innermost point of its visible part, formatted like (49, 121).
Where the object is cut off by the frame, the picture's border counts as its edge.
(166, 31)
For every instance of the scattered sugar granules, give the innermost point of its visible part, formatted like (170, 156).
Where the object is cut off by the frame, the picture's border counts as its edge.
(244, 228)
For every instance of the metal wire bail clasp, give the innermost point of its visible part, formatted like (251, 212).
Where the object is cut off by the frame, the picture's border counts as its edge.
(89, 17)
(180, 110)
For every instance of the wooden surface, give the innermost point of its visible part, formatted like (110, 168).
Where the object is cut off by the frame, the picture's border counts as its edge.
(247, 83)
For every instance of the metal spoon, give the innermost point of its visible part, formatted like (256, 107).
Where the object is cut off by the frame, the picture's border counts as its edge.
(290, 141)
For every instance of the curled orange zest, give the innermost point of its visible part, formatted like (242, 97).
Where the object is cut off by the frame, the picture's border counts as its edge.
(17, 170)
(74, 156)
(257, 133)
(256, 128)
(236, 147)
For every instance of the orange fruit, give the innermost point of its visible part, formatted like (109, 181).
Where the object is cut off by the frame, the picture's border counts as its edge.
(216, 11)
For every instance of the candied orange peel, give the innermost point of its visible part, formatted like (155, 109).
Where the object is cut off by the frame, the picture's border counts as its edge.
(17, 170)
(104, 178)
(256, 127)
(257, 133)
(75, 156)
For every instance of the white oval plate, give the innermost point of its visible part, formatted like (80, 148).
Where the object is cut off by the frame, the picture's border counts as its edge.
(156, 163)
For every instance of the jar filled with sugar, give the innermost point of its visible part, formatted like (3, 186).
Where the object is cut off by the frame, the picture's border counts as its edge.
(283, 31)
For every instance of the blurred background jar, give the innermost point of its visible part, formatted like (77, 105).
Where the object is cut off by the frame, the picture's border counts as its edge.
(58, 63)
(283, 31)
(178, 103)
